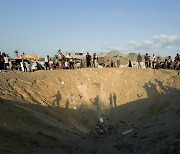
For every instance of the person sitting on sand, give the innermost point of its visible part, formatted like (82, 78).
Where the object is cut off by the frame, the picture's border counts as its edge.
(107, 64)
(100, 129)
(158, 63)
(81, 64)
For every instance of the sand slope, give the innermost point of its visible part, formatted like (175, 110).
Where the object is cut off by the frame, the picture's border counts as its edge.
(57, 111)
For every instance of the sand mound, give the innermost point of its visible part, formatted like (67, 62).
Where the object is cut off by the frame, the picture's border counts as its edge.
(57, 111)
(113, 53)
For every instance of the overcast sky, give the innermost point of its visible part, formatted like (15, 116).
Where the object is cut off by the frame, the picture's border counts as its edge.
(44, 26)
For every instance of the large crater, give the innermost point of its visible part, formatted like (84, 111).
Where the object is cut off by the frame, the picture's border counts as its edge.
(57, 111)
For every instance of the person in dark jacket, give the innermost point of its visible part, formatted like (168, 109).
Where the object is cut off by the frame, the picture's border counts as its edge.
(146, 58)
(88, 60)
(129, 65)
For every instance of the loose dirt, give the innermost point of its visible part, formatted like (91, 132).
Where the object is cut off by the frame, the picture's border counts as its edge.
(57, 111)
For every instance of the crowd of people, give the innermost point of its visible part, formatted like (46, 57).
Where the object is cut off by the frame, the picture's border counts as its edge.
(21, 64)
(62, 62)
(69, 62)
(158, 63)
(154, 62)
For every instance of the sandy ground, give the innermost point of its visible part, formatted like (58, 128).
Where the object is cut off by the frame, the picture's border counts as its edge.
(57, 111)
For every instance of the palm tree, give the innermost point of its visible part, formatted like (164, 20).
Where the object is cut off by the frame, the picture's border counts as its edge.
(23, 54)
(58, 52)
(16, 52)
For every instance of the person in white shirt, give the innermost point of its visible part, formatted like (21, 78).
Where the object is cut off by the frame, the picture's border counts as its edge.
(6, 62)
(66, 63)
(95, 59)
(153, 61)
(47, 62)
